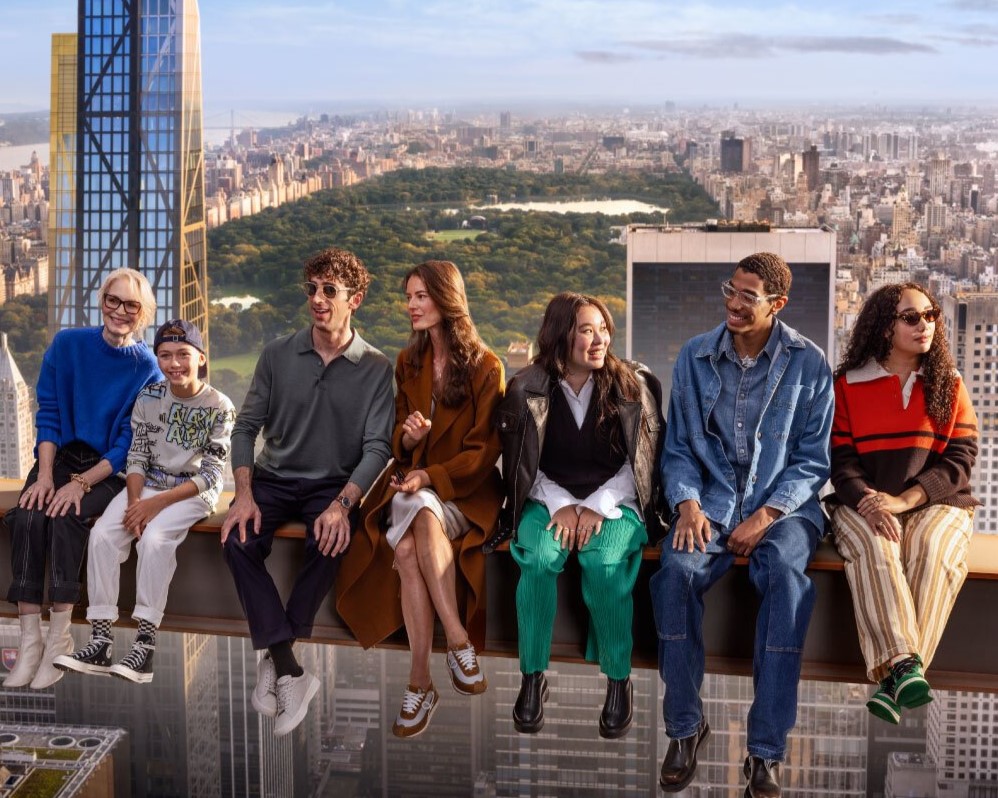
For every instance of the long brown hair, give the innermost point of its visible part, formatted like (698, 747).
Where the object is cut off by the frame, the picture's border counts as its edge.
(445, 286)
(872, 335)
(612, 383)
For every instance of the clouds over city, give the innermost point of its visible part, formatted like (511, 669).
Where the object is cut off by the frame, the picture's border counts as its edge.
(440, 50)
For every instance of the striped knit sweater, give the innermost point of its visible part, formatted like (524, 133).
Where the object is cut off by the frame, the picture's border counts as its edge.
(879, 440)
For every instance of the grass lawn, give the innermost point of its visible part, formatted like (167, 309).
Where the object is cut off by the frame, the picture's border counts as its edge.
(454, 235)
(42, 783)
(241, 364)
(69, 754)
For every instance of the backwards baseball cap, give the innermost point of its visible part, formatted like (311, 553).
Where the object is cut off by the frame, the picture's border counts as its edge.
(180, 331)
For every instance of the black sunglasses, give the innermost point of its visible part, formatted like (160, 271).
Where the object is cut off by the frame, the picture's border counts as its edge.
(911, 317)
(329, 291)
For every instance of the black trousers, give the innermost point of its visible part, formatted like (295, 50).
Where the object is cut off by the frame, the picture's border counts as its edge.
(63, 539)
(282, 500)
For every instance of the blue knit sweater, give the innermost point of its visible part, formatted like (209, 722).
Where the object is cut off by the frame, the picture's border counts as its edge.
(86, 389)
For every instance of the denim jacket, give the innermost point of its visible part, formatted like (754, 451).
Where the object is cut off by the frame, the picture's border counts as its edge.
(791, 460)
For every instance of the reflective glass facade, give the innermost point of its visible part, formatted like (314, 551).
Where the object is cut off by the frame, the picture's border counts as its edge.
(139, 165)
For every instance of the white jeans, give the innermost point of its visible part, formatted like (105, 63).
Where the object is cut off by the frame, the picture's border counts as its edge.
(109, 547)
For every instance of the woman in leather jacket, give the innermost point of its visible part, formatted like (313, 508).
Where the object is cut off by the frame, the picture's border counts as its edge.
(581, 432)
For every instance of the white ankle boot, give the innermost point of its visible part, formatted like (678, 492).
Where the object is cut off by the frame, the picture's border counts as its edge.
(59, 641)
(30, 653)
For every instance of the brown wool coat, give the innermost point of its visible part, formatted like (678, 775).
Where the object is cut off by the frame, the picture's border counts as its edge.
(459, 455)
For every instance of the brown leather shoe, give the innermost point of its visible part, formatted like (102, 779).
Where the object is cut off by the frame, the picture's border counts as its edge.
(763, 778)
(680, 763)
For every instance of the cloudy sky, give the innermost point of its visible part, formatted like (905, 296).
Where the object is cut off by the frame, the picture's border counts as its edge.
(307, 53)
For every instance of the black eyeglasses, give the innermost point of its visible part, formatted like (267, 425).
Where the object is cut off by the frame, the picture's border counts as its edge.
(912, 317)
(329, 291)
(112, 302)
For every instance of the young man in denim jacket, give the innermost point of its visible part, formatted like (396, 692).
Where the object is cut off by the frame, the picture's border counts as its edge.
(746, 451)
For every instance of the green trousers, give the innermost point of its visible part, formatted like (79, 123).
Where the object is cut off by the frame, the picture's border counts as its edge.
(609, 564)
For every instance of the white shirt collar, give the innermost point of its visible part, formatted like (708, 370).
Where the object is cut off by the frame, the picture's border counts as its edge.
(578, 403)
(872, 370)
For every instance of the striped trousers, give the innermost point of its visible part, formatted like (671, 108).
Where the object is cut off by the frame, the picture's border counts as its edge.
(903, 593)
(609, 563)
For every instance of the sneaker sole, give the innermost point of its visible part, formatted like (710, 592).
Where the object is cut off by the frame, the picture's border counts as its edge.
(476, 688)
(407, 732)
(299, 716)
(270, 710)
(884, 711)
(914, 694)
(129, 675)
(69, 665)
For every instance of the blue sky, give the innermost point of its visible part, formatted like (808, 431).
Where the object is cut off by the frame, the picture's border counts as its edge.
(309, 53)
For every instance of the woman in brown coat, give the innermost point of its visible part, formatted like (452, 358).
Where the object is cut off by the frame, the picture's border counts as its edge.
(442, 487)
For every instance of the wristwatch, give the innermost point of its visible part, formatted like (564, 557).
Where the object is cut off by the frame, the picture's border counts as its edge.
(344, 502)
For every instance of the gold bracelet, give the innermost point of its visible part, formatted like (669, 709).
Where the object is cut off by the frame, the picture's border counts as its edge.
(78, 479)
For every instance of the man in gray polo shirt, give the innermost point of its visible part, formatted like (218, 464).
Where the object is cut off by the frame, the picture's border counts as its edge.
(323, 399)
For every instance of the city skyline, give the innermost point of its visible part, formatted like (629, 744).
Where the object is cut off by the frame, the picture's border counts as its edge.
(261, 53)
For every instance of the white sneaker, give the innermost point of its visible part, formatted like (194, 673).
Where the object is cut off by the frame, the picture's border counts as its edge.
(293, 696)
(465, 673)
(264, 697)
(418, 707)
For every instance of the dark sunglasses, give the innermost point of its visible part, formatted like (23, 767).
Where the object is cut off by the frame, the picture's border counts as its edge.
(911, 317)
(329, 291)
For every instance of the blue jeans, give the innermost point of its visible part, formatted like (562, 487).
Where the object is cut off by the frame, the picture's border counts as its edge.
(776, 570)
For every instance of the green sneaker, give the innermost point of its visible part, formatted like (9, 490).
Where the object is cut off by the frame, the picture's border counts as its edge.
(883, 703)
(910, 687)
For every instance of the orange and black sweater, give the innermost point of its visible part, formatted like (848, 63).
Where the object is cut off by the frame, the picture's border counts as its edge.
(879, 442)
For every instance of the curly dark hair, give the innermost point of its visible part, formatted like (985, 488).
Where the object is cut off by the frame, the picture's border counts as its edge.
(612, 383)
(771, 269)
(339, 264)
(445, 286)
(871, 338)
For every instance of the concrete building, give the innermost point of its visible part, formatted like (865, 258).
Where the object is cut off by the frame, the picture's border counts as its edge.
(972, 324)
(674, 277)
(962, 740)
(16, 420)
(127, 161)
(910, 776)
(61, 761)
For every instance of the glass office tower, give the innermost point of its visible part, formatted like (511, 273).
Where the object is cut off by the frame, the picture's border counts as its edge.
(137, 183)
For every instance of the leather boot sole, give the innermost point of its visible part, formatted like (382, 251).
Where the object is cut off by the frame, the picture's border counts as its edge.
(682, 785)
(537, 725)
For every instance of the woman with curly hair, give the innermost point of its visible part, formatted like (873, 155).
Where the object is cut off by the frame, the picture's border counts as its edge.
(581, 437)
(904, 441)
(443, 487)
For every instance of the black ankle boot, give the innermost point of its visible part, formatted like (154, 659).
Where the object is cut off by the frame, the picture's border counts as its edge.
(617, 713)
(528, 712)
(763, 778)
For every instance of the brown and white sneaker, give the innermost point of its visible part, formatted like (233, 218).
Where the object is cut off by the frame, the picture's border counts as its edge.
(418, 707)
(465, 673)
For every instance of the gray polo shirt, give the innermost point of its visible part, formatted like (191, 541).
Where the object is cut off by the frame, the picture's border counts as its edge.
(318, 421)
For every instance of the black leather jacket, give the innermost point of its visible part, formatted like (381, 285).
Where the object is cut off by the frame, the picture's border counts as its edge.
(522, 419)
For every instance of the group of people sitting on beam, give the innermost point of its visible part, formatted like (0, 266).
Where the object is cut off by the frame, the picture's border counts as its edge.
(757, 424)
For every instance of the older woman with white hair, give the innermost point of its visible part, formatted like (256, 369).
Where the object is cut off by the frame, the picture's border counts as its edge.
(89, 379)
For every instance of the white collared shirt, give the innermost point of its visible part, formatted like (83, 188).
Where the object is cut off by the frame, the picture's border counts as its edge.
(607, 498)
(872, 370)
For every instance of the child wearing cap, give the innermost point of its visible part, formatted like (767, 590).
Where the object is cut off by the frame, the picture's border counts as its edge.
(180, 440)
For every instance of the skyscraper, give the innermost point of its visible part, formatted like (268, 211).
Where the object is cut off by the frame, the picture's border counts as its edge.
(17, 445)
(972, 324)
(127, 159)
